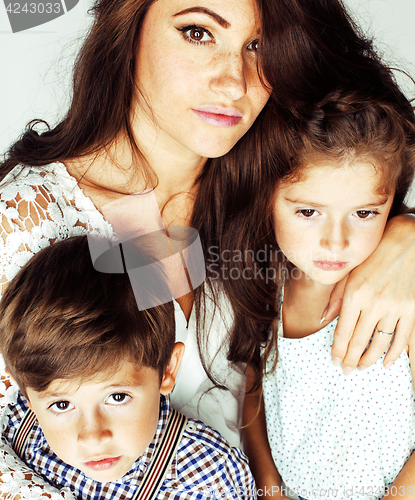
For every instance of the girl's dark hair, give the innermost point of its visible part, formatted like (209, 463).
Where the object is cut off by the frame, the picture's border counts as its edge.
(307, 48)
(348, 127)
(357, 126)
(62, 319)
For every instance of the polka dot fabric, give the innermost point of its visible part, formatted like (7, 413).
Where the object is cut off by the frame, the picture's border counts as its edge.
(334, 436)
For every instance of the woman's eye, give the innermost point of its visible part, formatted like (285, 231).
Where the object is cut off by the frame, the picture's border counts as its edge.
(254, 45)
(308, 212)
(118, 398)
(365, 214)
(196, 34)
(61, 406)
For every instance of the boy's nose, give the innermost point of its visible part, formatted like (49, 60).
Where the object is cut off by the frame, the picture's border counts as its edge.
(230, 77)
(335, 237)
(93, 430)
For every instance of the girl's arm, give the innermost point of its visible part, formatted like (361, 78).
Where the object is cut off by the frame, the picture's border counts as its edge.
(380, 292)
(404, 484)
(267, 478)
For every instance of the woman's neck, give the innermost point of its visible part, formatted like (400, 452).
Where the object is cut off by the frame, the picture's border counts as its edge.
(304, 304)
(109, 175)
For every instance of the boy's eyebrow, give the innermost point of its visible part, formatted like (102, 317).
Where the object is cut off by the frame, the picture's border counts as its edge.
(203, 10)
(379, 203)
(46, 394)
(124, 383)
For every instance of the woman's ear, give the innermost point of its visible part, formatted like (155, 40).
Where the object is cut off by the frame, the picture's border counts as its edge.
(170, 373)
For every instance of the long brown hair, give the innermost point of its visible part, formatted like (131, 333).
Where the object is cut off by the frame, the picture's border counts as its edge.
(307, 47)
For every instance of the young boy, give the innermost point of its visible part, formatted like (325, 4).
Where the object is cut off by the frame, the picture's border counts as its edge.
(94, 373)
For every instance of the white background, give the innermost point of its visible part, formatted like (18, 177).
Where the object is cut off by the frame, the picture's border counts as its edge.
(35, 65)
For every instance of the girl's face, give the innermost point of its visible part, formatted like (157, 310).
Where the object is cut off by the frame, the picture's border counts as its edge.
(197, 74)
(332, 219)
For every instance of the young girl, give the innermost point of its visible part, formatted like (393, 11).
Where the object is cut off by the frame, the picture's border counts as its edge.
(331, 435)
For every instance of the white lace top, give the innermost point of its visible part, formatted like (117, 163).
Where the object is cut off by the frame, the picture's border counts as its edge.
(39, 206)
(333, 436)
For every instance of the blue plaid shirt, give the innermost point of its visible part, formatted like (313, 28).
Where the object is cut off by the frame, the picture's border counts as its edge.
(205, 467)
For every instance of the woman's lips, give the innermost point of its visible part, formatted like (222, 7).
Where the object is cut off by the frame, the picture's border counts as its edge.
(219, 117)
(105, 463)
(327, 265)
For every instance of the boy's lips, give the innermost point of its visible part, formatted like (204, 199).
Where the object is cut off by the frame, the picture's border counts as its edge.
(329, 265)
(102, 464)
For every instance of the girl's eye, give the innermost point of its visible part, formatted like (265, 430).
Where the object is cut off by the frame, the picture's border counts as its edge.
(118, 398)
(365, 214)
(254, 45)
(308, 212)
(61, 406)
(196, 34)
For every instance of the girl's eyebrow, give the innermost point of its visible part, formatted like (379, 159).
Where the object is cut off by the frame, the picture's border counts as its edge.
(216, 17)
(378, 203)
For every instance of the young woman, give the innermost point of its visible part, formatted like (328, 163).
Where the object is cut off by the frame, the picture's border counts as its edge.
(163, 91)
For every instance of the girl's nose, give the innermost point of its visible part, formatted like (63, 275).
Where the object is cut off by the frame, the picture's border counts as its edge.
(335, 237)
(230, 78)
(93, 429)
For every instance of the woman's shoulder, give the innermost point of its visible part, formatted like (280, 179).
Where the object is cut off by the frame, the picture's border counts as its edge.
(27, 182)
(27, 173)
(40, 205)
(46, 194)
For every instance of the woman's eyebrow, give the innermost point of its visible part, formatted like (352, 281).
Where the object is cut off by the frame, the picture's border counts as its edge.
(219, 19)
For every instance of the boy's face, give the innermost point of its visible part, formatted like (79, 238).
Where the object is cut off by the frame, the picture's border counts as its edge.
(101, 426)
(331, 220)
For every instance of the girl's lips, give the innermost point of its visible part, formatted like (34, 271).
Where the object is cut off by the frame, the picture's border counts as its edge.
(104, 464)
(219, 117)
(327, 265)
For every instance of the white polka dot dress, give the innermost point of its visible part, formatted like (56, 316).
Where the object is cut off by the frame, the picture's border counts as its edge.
(334, 436)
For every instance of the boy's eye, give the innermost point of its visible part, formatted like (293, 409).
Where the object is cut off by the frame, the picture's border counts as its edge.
(307, 212)
(61, 406)
(118, 398)
(196, 34)
(364, 214)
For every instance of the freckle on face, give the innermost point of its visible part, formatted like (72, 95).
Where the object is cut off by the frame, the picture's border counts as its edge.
(177, 76)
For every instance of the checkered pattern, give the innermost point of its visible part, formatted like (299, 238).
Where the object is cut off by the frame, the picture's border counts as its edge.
(206, 467)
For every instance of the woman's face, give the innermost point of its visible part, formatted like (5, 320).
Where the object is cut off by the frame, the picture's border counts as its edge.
(197, 73)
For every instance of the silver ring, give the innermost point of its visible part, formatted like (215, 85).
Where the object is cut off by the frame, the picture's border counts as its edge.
(383, 333)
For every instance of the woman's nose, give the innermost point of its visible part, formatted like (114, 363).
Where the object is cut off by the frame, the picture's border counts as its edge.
(93, 429)
(335, 237)
(230, 78)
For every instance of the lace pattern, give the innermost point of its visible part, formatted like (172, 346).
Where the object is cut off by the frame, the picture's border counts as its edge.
(38, 206)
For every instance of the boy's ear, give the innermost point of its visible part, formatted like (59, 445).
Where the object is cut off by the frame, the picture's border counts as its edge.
(170, 373)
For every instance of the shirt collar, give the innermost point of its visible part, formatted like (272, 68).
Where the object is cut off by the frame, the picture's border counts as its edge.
(140, 465)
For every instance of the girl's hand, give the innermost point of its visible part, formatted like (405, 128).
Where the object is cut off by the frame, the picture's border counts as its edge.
(379, 293)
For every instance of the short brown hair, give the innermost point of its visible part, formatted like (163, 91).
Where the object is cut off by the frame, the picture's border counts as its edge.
(62, 319)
